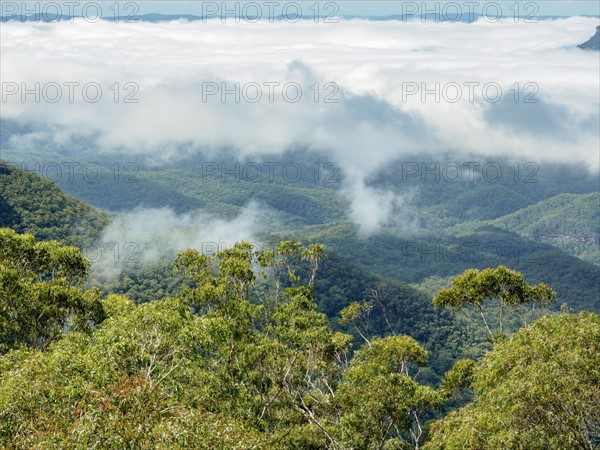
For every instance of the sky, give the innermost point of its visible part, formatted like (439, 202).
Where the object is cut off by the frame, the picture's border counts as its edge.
(368, 7)
(381, 8)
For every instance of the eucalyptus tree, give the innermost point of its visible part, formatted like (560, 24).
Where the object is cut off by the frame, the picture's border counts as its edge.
(503, 286)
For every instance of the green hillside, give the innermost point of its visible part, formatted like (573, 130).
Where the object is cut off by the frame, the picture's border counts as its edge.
(388, 279)
(32, 204)
(570, 222)
(414, 257)
(454, 226)
(450, 193)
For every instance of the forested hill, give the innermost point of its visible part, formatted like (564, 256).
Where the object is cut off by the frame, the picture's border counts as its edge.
(570, 222)
(32, 204)
(236, 362)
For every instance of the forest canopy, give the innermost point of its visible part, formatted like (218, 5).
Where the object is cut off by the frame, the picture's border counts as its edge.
(242, 358)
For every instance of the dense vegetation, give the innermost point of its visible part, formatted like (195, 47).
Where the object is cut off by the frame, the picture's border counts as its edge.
(484, 188)
(570, 222)
(415, 257)
(31, 204)
(438, 232)
(241, 358)
(398, 307)
(443, 229)
(538, 389)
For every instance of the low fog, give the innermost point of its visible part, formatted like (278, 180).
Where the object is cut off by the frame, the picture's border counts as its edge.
(147, 235)
(377, 117)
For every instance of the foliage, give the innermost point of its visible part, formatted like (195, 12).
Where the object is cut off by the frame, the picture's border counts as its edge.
(567, 221)
(538, 389)
(39, 296)
(390, 307)
(397, 307)
(240, 359)
(31, 204)
(380, 401)
(141, 283)
(503, 285)
(417, 256)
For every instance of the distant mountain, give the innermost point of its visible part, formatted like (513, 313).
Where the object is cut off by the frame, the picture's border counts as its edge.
(446, 203)
(32, 204)
(156, 17)
(414, 258)
(593, 43)
(570, 222)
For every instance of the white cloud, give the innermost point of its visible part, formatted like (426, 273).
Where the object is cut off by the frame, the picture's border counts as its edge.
(370, 61)
(145, 235)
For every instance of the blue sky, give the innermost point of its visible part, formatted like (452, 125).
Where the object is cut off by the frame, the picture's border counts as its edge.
(386, 7)
(345, 7)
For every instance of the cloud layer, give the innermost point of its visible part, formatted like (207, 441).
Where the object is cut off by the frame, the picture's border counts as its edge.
(376, 65)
